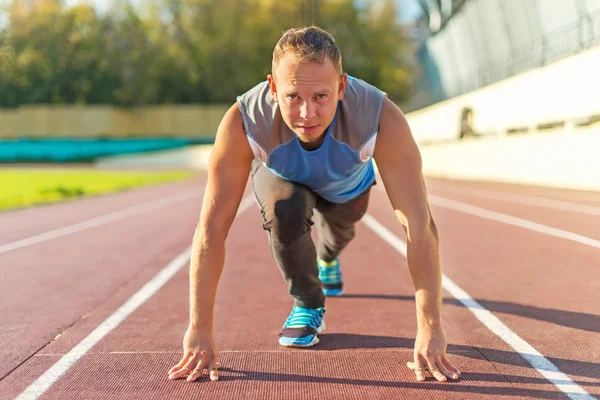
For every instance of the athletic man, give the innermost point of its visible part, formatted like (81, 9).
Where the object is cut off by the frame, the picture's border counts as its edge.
(307, 137)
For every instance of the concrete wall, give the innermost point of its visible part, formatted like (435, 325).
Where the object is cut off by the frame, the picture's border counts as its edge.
(563, 159)
(108, 121)
(563, 91)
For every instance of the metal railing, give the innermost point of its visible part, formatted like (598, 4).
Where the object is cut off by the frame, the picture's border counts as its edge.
(541, 50)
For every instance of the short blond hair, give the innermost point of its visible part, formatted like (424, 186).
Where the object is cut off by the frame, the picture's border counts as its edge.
(308, 44)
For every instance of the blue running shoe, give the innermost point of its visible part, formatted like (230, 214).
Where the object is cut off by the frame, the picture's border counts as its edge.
(302, 327)
(330, 274)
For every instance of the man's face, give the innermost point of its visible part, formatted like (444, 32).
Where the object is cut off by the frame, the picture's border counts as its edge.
(308, 95)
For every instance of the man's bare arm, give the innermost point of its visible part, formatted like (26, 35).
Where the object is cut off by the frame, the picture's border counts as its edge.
(228, 170)
(399, 163)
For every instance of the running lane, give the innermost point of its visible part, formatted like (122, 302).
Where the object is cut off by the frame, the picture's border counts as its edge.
(52, 283)
(540, 285)
(534, 283)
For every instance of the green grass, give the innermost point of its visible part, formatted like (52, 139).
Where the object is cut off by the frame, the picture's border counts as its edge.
(25, 187)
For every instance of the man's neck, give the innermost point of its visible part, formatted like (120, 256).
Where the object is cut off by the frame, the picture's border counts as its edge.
(315, 144)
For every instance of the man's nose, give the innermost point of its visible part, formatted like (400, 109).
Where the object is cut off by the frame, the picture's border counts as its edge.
(307, 110)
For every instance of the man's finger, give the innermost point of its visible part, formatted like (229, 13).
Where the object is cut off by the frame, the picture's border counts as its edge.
(199, 369)
(186, 369)
(207, 362)
(213, 371)
(179, 365)
(419, 367)
(450, 367)
(445, 371)
(197, 372)
(179, 373)
(436, 372)
(213, 368)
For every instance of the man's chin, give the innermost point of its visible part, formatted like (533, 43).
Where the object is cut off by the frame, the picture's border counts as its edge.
(310, 139)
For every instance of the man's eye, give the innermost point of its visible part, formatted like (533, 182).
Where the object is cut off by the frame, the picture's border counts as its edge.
(321, 96)
(292, 97)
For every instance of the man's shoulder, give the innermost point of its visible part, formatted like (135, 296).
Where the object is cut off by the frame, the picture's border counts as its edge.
(257, 100)
(357, 88)
(262, 119)
(358, 114)
(258, 91)
(362, 102)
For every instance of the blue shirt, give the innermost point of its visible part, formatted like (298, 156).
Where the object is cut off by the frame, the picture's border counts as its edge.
(342, 167)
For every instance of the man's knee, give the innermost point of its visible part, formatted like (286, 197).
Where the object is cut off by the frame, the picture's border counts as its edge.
(290, 218)
(342, 234)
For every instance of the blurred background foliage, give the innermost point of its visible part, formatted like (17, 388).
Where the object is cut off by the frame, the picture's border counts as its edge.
(182, 51)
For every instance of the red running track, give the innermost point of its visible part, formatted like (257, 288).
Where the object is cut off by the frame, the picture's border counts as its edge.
(542, 287)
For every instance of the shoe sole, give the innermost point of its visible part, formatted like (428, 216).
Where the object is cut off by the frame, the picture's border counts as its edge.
(310, 344)
(333, 292)
(300, 346)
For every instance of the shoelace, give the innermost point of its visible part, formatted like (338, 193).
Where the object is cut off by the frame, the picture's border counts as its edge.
(300, 317)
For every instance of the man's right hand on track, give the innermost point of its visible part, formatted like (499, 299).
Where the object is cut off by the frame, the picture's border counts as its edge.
(199, 354)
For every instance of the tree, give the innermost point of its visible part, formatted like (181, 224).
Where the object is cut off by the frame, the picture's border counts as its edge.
(182, 51)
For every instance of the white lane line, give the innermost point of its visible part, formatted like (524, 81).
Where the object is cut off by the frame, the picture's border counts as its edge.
(117, 353)
(98, 221)
(497, 327)
(41, 385)
(510, 220)
(526, 199)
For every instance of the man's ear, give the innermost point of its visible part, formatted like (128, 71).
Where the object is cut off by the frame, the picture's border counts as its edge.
(342, 86)
(272, 86)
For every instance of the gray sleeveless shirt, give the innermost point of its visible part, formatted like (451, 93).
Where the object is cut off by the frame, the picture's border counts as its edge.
(339, 170)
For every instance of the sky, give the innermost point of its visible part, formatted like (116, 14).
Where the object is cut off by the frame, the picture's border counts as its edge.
(101, 5)
(409, 10)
